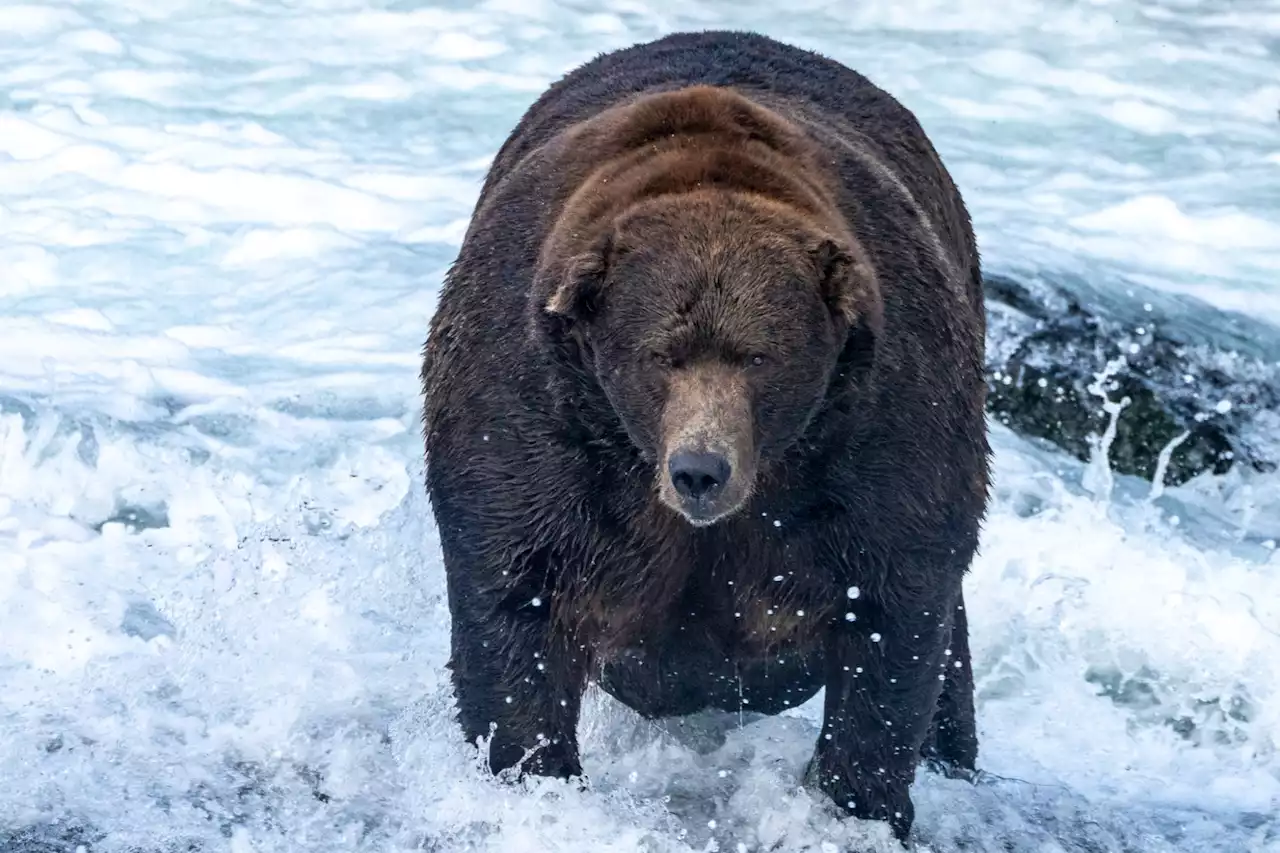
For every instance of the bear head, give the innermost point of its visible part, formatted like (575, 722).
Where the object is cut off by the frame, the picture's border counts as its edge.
(713, 314)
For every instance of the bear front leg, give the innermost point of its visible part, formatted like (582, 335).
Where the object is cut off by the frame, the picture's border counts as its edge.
(885, 672)
(951, 746)
(514, 677)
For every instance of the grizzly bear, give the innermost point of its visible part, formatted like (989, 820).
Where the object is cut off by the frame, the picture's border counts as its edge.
(704, 415)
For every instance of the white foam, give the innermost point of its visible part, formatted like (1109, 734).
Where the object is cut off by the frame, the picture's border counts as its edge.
(241, 195)
(1144, 117)
(1159, 218)
(92, 41)
(24, 21)
(24, 140)
(83, 318)
(24, 268)
(137, 83)
(264, 244)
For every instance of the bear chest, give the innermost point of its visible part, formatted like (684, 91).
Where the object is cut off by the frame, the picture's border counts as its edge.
(757, 596)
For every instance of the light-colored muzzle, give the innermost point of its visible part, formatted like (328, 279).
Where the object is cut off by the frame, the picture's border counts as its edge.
(708, 461)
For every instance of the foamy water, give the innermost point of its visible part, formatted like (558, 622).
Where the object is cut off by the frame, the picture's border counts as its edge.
(222, 229)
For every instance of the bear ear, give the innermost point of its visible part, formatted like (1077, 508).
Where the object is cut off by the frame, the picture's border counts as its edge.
(847, 281)
(852, 292)
(576, 291)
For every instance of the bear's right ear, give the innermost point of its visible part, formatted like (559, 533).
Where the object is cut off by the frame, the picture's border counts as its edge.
(578, 282)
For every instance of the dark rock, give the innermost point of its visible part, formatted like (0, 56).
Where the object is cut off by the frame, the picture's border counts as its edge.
(1184, 369)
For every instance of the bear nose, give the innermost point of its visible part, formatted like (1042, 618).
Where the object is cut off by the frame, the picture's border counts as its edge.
(698, 475)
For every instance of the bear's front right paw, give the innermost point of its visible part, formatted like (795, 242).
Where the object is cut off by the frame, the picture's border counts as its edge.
(556, 760)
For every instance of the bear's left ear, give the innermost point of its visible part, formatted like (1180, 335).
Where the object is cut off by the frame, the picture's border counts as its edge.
(848, 283)
(852, 291)
(577, 283)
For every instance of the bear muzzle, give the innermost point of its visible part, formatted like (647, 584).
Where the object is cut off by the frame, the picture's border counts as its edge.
(707, 467)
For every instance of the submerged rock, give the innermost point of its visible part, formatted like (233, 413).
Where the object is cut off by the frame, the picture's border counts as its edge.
(1200, 381)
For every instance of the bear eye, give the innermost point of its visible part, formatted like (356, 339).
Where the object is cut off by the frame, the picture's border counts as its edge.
(661, 359)
(758, 360)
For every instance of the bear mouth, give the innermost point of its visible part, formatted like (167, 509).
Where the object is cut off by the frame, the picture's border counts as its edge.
(703, 513)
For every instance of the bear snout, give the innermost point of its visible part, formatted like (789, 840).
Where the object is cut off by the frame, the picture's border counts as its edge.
(703, 484)
(707, 435)
(699, 476)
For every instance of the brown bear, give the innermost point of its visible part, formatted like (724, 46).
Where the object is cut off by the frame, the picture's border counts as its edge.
(704, 415)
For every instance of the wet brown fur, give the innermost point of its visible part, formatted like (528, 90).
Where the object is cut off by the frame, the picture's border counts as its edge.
(696, 144)
(700, 138)
(658, 219)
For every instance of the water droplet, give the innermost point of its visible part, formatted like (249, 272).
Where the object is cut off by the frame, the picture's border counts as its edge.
(875, 638)
(853, 592)
(849, 617)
